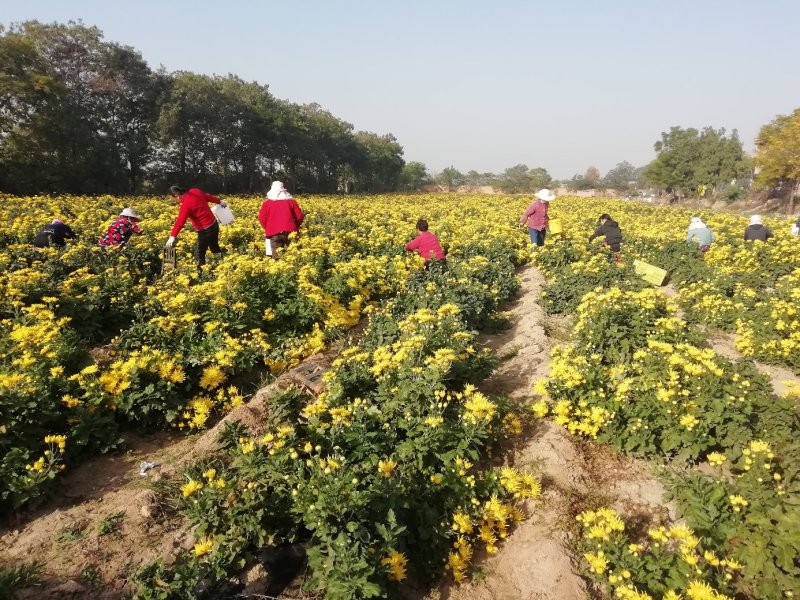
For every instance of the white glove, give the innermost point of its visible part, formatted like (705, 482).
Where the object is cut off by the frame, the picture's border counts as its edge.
(223, 204)
(170, 242)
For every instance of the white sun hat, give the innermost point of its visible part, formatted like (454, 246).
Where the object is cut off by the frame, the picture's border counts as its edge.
(278, 192)
(545, 195)
(755, 220)
(697, 223)
(129, 212)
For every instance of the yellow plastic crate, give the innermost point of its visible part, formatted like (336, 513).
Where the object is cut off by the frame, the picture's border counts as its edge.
(650, 273)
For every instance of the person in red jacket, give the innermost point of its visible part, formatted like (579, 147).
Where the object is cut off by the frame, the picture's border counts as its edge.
(280, 215)
(427, 245)
(535, 217)
(194, 206)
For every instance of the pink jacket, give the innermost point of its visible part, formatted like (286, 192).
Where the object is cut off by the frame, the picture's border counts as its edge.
(427, 245)
(535, 216)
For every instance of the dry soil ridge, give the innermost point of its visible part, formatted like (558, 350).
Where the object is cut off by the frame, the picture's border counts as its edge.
(536, 561)
(109, 485)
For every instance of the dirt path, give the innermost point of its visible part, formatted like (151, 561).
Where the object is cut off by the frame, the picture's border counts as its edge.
(724, 344)
(105, 518)
(83, 555)
(536, 562)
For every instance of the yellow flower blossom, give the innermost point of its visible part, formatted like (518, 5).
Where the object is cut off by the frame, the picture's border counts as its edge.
(386, 467)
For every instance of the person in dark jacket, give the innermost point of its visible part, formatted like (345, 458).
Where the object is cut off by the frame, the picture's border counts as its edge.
(194, 207)
(609, 228)
(54, 234)
(757, 230)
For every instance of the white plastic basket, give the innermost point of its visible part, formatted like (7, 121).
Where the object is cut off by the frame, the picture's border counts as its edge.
(223, 214)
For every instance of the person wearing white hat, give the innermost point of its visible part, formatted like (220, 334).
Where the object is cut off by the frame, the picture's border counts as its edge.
(535, 216)
(757, 230)
(280, 215)
(121, 229)
(699, 233)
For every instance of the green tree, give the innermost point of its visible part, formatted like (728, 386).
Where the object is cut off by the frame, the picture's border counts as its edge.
(195, 133)
(690, 160)
(384, 162)
(29, 95)
(83, 115)
(475, 179)
(515, 180)
(577, 183)
(520, 179)
(539, 178)
(622, 177)
(778, 154)
(414, 176)
(450, 178)
(76, 111)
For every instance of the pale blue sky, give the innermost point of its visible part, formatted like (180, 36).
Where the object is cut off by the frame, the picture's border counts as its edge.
(562, 84)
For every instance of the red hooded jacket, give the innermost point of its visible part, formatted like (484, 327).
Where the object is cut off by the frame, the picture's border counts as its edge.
(280, 216)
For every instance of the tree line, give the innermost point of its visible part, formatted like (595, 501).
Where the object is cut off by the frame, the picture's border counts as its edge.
(521, 179)
(709, 162)
(83, 115)
(689, 163)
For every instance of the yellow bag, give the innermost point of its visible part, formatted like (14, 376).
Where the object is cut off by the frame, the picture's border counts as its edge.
(556, 226)
(650, 273)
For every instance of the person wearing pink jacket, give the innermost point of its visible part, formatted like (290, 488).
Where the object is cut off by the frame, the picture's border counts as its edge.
(535, 216)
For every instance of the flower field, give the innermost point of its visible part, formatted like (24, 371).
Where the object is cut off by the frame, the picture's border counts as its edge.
(638, 376)
(383, 474)
(178, 340)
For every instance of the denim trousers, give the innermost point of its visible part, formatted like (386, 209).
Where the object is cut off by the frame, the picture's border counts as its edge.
(537, 237)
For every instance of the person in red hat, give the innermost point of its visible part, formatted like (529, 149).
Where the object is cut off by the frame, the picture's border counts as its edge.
(280, 215)
(194, 207)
